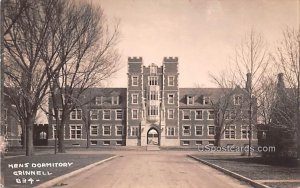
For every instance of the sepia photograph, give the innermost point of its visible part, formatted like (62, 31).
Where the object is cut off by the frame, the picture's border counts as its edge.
(150, 93)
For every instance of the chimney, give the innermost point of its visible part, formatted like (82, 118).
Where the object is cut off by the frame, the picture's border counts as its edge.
(249, 81)
(280, 82)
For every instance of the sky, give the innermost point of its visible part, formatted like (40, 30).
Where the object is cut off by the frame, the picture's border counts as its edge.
(203, 34)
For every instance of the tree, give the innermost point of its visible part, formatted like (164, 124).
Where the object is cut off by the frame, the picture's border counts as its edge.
(288, 60)
(252, 59)
(88, 55)
(24, 69)
(226, 112)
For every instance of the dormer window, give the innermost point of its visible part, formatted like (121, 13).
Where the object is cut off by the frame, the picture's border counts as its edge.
(115, 100)
(98, 100)
(237, 100)
(205, 100)
(190, 100)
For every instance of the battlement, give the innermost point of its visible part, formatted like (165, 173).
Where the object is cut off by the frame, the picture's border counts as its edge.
(135, 59)
(170, 59)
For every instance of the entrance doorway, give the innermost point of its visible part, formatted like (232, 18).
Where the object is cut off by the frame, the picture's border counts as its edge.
(152, 137)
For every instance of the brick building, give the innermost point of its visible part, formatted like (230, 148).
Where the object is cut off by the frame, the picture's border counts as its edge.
(151, 110)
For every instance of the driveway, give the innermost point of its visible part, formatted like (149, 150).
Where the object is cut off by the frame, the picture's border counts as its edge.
(159, 169)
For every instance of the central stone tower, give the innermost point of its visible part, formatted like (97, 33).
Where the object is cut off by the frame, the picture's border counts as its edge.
(152, 103)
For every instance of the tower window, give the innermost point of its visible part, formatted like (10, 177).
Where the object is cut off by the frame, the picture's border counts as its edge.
(153, 69)
(170, 98)
(153, 80)
(134, 81)
(171, 81)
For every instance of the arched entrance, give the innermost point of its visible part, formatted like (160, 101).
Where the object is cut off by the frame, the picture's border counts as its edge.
(153, 137)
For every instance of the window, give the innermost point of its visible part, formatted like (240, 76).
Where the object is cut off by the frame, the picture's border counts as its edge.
(198, 130)
(153, 80)
(75, 131)
(153, 111)
(211, 142)
(54, 131)
(171, 80)
(106, 142)
(106, 130)
(171, 113)
(119, 114)
(153, 95)
(134, 114)
(94, 130)
(119, 130)
(211, 130)
(186, 130)
(205, 100)
(19, 130)
(134, 131)
(198, 142)
(190, 100)
(230, 132)
(134, 98)
(94, 114)
(60, 111)
(5, 114)
(170, 131)
(106, 114)
(118, 142)
(170, 98)
(186, 143)
(211, 114)
(245, 132)
(233, 114)
(227, 115)
(43, 135)
(153, 69)
(244, 114)
(98, 100)
(5, 130)
(237, 100)
(134, 81)
(76, 114)
(94, 142)
(115, 100)
(198, 114)
(186, 114)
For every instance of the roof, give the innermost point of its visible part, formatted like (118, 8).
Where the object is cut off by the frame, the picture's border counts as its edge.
(198, 93)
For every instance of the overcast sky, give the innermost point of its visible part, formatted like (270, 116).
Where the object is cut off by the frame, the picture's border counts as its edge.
(202, 33)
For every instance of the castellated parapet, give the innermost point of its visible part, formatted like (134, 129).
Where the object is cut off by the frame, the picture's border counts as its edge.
(170, 59)
(135, 59)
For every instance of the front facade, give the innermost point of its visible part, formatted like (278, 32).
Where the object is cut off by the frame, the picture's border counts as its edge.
(152, 110)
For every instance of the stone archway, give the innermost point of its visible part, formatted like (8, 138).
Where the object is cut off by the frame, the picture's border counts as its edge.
(153, 136)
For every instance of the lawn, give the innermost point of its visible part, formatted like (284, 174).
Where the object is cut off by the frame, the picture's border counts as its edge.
(257, 168)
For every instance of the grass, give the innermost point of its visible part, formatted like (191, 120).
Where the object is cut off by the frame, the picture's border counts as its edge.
(258, 168)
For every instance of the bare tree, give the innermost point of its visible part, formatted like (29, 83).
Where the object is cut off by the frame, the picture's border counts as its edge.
(25, 71)
(267, 99)
(288, 60)
(252, 59)
(88, 55)
(250, 64)
(226, 112)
